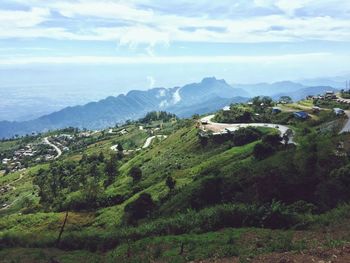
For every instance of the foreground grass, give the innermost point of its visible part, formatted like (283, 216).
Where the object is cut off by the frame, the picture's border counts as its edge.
(240, 244)
(29, 255)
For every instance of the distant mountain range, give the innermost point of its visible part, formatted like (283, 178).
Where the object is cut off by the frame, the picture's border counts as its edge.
(209, 95)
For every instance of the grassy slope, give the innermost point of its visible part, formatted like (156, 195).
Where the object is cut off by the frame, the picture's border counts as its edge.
(182, 160)
(22, 187)
(328, 231)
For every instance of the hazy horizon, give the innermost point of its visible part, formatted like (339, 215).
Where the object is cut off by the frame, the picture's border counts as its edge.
(60, 53)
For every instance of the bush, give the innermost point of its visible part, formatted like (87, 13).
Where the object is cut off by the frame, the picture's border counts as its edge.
(170, 182)
(136, 174)
(272, 139)
(262, 151)
(141, 208)
(245, 135)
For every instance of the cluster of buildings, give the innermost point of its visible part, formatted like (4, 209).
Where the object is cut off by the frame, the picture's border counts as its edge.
(63, 140)
(19, 159)
(16, 163)
(329, 95)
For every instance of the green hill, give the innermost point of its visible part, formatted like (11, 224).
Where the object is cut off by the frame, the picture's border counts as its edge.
(189, 196)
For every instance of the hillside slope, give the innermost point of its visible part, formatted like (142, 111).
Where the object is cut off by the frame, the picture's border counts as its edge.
(190, 196)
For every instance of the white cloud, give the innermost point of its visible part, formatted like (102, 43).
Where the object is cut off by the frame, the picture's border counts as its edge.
(176, 96)
(163, 25)
(23, 19)
(289, 7)
(289, 58)
(151, 81)
(105, 9)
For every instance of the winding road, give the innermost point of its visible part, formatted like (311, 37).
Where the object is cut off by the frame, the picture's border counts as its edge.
(150, 139)
(346, 127)
(220, 128)
(58, 150)
(145, 145)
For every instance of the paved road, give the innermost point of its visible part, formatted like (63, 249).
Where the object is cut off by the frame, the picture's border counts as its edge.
(150, 139)
(346, 127)
(218, 128)
(58, 150)
(145, 145)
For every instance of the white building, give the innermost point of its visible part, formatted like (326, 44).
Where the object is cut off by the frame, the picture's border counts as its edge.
(6, 161)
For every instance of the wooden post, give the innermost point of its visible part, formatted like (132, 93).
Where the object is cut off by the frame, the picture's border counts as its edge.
(182, 248)
(62, 229)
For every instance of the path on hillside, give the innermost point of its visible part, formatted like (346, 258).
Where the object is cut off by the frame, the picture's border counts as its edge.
(14, 201)
(12, 188)
(58, 150)
(218, 128)
(145, 145)
(346, 127)
(10, 185)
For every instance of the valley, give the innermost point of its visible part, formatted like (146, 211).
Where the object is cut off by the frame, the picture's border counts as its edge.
(148, 131)
(162, 188)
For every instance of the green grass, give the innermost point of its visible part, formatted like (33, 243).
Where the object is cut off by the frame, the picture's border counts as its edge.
(29, 255)
(20, 189)
(182, 157)
(8, 145)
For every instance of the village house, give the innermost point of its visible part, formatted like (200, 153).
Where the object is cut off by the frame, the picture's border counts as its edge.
(338, 111)
(301, 115)
(330, 95)
(6, 161)
(316, 109)
(276, 110)
(123, 131)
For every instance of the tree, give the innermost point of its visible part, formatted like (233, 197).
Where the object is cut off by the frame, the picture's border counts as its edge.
(285, 139)
(245, 135)
(141, 208)
(272, 139)
(111, 169)
(170, 182)
(203, 138)
(94, 172)
(120, 148)
(195, 116)
(266, 101)
(285, 99)
(136, 174)
(7, 171)
(101, 157)
(92, 190)
(262, 150)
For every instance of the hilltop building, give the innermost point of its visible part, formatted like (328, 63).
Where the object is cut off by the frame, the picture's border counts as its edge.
(301, 115)
(338, 111)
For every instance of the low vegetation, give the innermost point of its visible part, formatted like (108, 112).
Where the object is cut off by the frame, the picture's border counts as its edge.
(189, 196)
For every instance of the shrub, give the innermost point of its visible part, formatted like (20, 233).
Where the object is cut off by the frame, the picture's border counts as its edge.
(245, 135)
(272, 139)
(262, 150)
(141, 208)
(136, 174)
(170, 182)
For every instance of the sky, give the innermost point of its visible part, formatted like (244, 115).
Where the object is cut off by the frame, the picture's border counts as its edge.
(88, 49)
